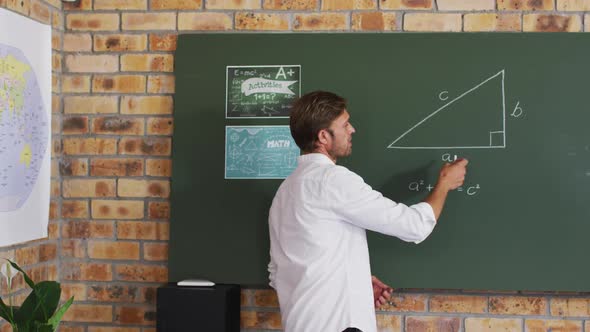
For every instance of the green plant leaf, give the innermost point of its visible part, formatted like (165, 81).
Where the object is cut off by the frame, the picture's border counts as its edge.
(26, 312)
(25, 275)
(22, 327)
(42, 327)
(56, 318)
(49, 293)
(41, 302)
(5, 312)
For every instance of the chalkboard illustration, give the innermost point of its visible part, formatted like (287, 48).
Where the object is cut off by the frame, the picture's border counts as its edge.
(259, 152)
(481, 110)
(261, 91)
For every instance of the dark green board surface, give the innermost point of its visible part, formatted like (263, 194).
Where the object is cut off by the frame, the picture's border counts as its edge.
(525, 228)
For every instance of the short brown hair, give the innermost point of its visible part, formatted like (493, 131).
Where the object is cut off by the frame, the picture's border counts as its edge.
(311, 113)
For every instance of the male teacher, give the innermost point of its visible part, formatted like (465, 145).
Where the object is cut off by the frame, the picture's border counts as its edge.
(319, 259)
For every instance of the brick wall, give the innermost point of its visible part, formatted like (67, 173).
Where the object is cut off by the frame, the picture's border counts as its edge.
(113, 118)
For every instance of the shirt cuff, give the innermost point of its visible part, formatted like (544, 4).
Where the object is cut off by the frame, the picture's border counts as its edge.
(429, 219)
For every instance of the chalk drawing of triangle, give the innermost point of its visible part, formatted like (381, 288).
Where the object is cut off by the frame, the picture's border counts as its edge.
(475, 119)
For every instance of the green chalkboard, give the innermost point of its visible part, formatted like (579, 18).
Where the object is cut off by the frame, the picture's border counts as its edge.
(515, 105)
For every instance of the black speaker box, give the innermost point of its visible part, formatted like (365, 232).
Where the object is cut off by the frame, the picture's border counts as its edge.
(207, 309)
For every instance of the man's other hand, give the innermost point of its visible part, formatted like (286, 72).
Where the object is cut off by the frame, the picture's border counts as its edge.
(381, 292)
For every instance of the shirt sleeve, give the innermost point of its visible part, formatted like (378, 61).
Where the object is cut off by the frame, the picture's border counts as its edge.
(357, 203)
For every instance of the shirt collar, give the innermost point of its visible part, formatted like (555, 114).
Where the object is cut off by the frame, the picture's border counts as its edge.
(315, 158)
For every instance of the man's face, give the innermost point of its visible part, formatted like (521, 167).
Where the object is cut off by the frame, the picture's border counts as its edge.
(341, 133)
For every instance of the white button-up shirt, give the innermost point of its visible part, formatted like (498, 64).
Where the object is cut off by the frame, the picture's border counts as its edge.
(319, 259)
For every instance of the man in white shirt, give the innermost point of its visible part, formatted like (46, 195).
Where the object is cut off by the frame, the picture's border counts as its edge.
(319, 256)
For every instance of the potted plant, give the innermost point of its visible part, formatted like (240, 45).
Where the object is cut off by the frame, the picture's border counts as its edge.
(39, 312)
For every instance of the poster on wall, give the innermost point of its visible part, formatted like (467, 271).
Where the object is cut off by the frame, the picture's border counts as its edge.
(259, 152)
(261, 91)
(25, 132)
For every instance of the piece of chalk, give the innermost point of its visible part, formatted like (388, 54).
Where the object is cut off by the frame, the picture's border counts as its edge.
(455, 157)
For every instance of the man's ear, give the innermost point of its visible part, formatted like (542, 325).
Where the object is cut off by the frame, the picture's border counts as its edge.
(323, 136)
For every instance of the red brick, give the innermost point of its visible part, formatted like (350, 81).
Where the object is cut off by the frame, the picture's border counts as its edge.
(88, 229)
(389, 323)
(113, 125)
(89, 146)
(54, 189)
(149, 21)
(87, 271)
(493, 324)
(53, 230)
(75, 125)
(73, 166)
(525, 5)
(120, 4)
(74, 209)
(458, 303)
(165, 42)
(155, 251)
(114, 293)
(53, 210)
(406, 303)
(426, 324)
(143, 188)
(175, 4)
(552, 23)
(145, 146)
(146, 105)
(113, 250)
(290, 4)
(89, 313)
(72, 248)
(142, 273)
(406, 4)
(89, 188)
(374, 21)
(261, 21)
(143, 230)
(260, 320)
(325, 21)
(78, 291)
(147, 62)
(508, 305)
(158, 210)
(204, 21)
(90, 104)
(120, 42)
(570, 307)
(119, 84)
(92, 22)
(161, 84)
(116, 167)
(135, 316)
(27, 256)
(160, 126)
(92, 63)
(349, 4)
(548, 325)
(232, 4)
(47, 252)
(78, 5)
(110, 209)
(77, 42)
(158, 167)
(266, 298)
